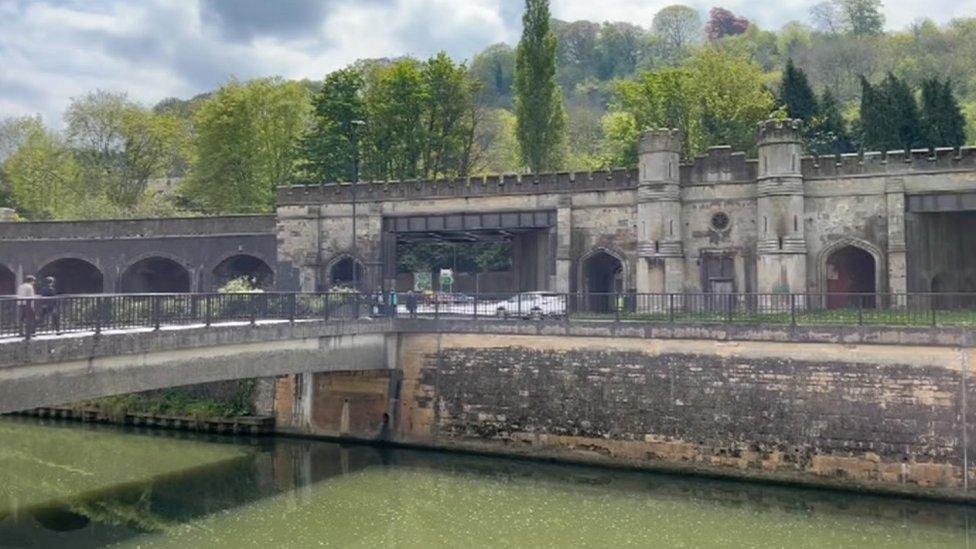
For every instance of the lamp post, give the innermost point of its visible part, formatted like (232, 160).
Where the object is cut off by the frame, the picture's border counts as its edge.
(355, 125)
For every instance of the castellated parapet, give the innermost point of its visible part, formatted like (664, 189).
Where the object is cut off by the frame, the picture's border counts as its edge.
(721, 222)
(780, 131)
(660, 140)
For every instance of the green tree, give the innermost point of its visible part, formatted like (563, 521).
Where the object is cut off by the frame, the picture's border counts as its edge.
(862, 17)
(889, 115)
(796, 94)
(42, 174)
(717, 100)
(733, 100)
(943, 124)
(494, 70)
(678, 28)
(828, 132)
(576, 51)
(619, 49)
(541, 118)
(662, 99)
(396, 132)
(327, 149)
(449, 117)
(247, 141)
(120, 145)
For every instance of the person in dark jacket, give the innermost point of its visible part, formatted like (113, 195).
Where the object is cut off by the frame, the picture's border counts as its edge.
(50, 313)
(412, 304)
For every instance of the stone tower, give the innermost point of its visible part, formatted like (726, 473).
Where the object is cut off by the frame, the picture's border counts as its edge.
(661, 264)
(781, 248)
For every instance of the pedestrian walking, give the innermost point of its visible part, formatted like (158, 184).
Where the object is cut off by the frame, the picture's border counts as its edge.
(50, 310)
(25, 306)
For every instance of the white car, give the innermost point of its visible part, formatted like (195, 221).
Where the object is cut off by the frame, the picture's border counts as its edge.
(532, 304)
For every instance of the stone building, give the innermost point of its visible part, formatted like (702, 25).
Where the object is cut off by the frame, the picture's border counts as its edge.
(874, 223)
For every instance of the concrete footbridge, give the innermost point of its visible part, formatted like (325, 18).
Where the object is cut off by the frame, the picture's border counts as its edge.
(75, 348)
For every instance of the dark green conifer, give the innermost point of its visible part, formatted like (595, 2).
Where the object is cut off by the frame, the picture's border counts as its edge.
(796, 94)
(541, 118)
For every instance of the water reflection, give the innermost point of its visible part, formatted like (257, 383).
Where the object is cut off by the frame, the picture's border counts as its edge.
(293, 491)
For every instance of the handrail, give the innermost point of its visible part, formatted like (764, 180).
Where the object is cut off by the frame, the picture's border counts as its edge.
(27, 317)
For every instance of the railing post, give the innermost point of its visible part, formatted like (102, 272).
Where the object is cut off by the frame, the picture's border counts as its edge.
(475, 303)
(792, 309)
(154, 307)
(208, 310)
(251, 308)
(98, 315)
(671, 308)
(292, 305)
(932, 309)
(616, 307)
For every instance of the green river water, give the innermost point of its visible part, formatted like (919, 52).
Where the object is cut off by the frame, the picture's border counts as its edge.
(77, 486)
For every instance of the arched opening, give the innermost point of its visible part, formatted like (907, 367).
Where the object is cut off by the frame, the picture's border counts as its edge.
(851, 270)
(244, 266)
(155, 275)
(73, 276)
(8, 281)
(602, 278)
(346, 272)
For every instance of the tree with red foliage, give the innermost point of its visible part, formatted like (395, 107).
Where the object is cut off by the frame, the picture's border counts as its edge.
(722, 23)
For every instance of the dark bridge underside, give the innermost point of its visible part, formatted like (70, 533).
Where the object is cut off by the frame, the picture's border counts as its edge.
(531, 235)
(468, 227)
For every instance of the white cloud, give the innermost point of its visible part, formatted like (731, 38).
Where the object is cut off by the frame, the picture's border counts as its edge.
(52, 50)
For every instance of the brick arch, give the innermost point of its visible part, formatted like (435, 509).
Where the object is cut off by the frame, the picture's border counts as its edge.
(856, 245)
(328, 277)
(73, 274)
(8, 280)
(156, 273)
(236, 264)
(610, 251)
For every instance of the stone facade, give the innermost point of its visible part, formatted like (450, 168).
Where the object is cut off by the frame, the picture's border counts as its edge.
(882, 417)
(102, 256)
(721, 223)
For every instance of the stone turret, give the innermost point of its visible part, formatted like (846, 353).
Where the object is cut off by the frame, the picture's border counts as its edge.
(781, 248)
(661, 266)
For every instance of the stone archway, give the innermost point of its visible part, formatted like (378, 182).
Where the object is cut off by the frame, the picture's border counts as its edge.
(601, 278)
(243, 266)
(345, 271)
(73, 276)
(155, 275)
(849, 270)
(8, 281)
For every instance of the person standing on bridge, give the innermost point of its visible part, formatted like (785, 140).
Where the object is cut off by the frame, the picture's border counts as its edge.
(412, 304)
(49, 306)
(26, 306)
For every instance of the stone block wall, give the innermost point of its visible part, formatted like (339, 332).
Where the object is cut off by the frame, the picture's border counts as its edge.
(880, 417)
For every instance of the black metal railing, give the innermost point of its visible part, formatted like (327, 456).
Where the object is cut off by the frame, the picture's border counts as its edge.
(97, 313)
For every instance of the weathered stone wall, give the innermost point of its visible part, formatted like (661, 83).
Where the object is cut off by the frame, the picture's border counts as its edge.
(786, 216)
(876, 416)
(197, 244)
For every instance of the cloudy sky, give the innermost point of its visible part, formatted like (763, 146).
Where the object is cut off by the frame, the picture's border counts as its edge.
(52, 50)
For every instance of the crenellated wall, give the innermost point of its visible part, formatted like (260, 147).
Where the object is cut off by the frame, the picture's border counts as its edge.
(723, 222)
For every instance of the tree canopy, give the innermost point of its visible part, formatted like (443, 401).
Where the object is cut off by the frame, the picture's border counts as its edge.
(571, 95)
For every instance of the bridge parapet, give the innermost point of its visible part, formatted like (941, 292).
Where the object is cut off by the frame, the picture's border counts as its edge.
(137, 228)
(563, 182)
